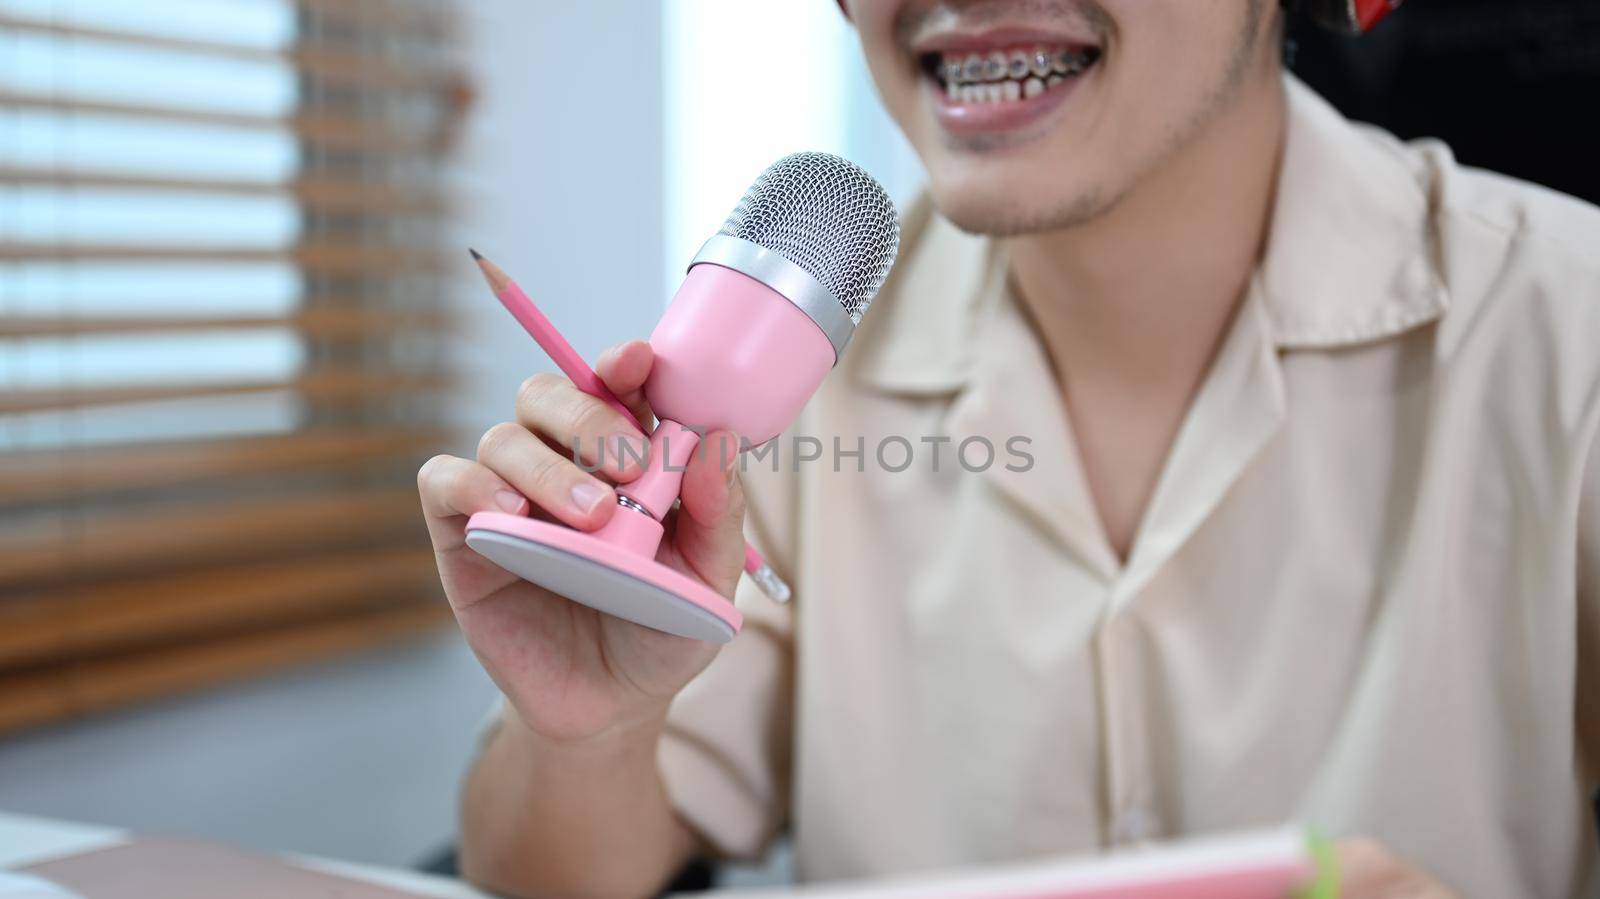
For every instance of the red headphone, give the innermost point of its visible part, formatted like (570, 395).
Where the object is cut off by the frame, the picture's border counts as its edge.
(1343, 16)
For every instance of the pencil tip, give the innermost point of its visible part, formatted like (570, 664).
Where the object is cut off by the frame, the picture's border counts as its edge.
(476, 256)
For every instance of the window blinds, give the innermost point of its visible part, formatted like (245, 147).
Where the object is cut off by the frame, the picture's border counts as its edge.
(221, 336)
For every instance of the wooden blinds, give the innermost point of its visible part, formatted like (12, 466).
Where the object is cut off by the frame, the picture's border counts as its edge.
(221, 336)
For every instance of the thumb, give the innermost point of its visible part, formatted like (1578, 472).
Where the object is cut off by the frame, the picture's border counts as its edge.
(709, 530)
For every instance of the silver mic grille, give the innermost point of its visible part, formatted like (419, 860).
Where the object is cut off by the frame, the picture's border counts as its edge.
(827, 216)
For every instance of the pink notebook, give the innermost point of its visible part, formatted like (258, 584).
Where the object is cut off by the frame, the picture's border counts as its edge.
(159, 868)
(1270, 865)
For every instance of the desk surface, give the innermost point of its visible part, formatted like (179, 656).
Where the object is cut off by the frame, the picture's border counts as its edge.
(25, 840)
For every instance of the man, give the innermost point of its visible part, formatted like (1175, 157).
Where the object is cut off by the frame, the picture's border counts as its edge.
(1311, 529)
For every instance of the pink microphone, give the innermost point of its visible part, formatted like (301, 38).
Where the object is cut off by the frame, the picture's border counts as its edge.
(768, 306)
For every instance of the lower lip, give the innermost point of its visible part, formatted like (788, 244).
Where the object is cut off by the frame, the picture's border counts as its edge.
(992, 118)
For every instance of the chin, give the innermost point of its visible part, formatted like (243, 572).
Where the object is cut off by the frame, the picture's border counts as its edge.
(995, 208)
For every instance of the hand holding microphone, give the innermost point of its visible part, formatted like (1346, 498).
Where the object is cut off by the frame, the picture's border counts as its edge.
(578, 602)
(568, 671)
(768, 306)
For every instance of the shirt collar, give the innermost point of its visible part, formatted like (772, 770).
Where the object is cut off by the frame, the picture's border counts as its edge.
(1349, 258)
(918, 337)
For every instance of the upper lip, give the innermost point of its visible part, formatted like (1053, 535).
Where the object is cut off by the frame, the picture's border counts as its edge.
(991, 39)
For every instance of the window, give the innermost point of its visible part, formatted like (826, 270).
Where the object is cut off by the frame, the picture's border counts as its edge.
(220, 336)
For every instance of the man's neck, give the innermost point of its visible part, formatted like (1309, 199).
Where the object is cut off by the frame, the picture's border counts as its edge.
(1143, 294)
(1133, 305)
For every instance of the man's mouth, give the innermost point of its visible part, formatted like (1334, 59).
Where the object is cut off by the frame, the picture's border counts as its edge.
(1009, 75)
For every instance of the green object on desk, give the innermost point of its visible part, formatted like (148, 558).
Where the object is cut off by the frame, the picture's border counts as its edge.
(1326, 886)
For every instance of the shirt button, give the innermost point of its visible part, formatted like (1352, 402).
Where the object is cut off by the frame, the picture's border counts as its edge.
(1134, 825)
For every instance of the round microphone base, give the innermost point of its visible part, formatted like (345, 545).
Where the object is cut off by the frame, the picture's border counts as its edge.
(603, 577)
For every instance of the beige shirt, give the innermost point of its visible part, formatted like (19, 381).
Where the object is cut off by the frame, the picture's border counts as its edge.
(1365, 595)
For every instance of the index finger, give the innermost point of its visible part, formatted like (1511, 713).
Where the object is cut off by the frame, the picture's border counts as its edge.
(624, 369)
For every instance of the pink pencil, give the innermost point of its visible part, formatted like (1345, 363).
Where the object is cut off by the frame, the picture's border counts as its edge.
(527, 314)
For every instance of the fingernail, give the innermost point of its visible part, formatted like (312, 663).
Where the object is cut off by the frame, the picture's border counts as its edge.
(626, 449)
(511, 502)
(586, 495)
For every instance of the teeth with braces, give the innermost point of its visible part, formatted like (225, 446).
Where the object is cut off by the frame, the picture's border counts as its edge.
(1001, 77)
(1041, 63)
(994, 68)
